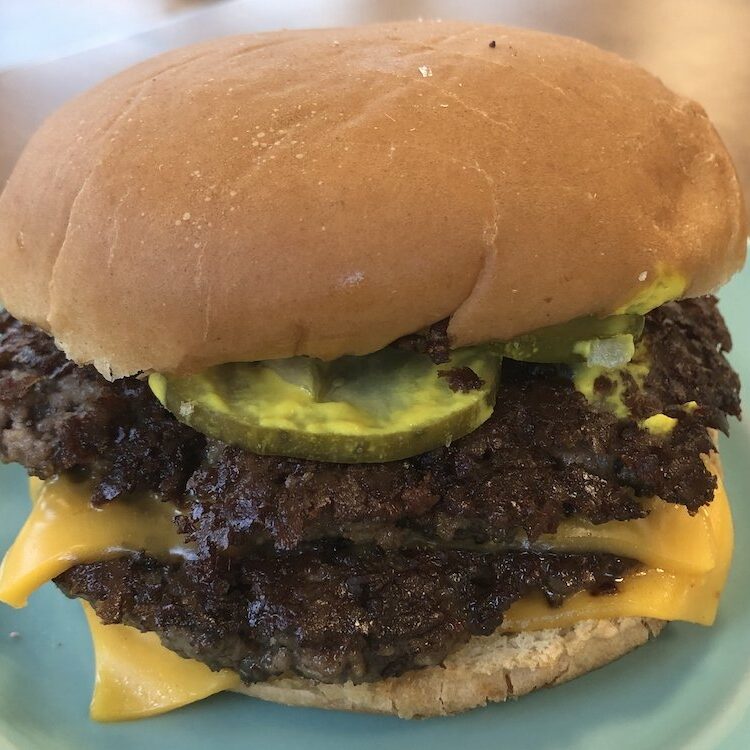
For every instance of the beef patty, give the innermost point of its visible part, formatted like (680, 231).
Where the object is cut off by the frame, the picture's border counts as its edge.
(332, 611)
(359, 572)
(544, 455)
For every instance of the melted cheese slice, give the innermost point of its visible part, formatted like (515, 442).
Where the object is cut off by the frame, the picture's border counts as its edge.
(687, 561)
(64, 529)
(653, 592)
(137, 677)
(668, 537)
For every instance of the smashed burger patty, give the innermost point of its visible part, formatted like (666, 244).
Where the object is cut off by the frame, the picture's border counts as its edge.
(330, 612)
(345, 571)
(544, 455)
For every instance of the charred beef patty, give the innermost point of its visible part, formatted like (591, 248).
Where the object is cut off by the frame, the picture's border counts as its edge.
(57, 417)
(544, 455)
(339, 572)
(330, 612)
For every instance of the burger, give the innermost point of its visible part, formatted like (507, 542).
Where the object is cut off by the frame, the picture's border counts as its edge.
(372, 369)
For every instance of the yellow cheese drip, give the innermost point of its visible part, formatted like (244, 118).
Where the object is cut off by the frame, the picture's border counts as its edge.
(64, 529)
(668, 537)
(654, 592)
(137, 677)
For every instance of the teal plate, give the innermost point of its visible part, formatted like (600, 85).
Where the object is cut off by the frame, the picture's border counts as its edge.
(688, 689)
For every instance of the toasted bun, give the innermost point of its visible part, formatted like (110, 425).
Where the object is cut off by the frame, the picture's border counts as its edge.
(325, 192)
(486, 670)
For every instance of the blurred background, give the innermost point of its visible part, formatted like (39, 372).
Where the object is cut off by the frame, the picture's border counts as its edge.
(52, 49)
(33, 30)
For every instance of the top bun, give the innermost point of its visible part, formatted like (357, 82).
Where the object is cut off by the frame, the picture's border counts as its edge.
(325, 192)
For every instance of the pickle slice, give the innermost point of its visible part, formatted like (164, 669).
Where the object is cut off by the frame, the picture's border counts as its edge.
(384, 406)
(562, 343)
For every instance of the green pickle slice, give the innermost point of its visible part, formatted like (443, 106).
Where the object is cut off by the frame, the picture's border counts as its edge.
(577, 341)
(384, 406)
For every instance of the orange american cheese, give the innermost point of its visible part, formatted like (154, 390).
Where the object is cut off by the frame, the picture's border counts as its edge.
(686, 561)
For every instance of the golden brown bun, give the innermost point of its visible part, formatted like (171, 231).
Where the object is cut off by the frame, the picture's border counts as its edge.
(485, 670)
(325, 192)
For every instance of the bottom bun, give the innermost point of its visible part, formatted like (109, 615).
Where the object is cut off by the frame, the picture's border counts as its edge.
(485, 670)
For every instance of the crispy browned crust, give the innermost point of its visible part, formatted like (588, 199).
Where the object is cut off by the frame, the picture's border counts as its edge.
(325, 192)
(486, 670)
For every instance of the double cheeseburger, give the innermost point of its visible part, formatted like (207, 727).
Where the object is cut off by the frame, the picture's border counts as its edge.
(369, 368)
